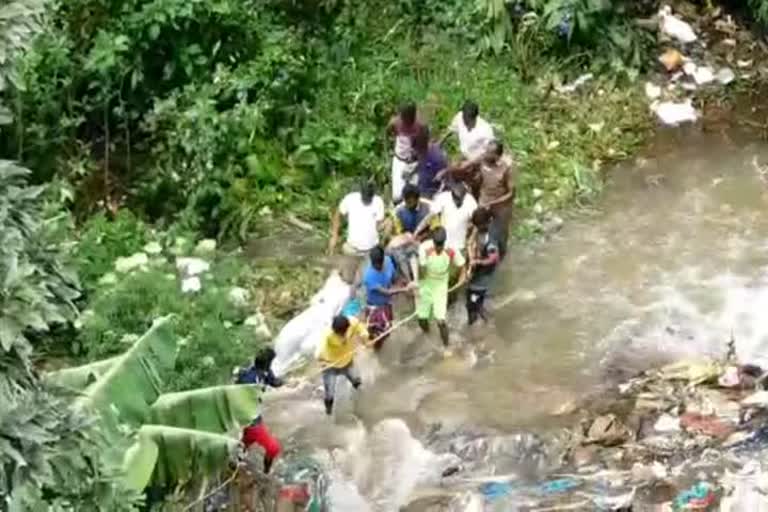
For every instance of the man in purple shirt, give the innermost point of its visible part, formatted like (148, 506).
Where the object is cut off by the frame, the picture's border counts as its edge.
(431, 160)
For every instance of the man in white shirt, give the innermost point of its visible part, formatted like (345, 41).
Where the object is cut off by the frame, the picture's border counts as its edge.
(473, 131)
(455, 208)
(364, 211)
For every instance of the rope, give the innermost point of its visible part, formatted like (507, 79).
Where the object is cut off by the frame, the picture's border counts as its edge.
(370, 343)
(217, 489)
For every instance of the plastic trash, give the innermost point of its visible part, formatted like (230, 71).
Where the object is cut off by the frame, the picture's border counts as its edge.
(706, 425)
(352, 307)
(672, 60)
(759, 399)
(694, 371)
(673, 114)
(607, 430)
(132, 262)
(652, 91)
(558, 486)
(493, 491)
(744, 490)
(619, 502)
(674, 27)
(730, 378)
(698, 497)
(725, 76)
(667, 424)
(568, 88)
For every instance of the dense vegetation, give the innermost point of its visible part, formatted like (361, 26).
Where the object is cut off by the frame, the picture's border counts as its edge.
(149, 124)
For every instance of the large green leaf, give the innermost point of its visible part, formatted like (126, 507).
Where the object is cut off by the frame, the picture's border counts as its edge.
(175, 456)
(216, 409)
(80, 377)
(135, 379)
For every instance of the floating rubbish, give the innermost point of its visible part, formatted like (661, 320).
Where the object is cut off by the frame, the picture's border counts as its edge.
(698, 497)
(673, 114)
(620, 502)
(352, 308)
(191, 285)
(674, 27)
(667, 424)
(493, 491)
(744, 490)
(745, 63)
(759, 399)
(652, 91)
(694, 371)
(672, 60)
(607, 430)
(575, 84)
(703, 75)
(725, 76)
(706, 425)
(558, 486)
(730, 378)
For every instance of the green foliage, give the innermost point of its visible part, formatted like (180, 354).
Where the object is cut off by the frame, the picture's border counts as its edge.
(102, 240)
(214, 337)
(54, 458)
(181, 435)
(759, 10)
(35, 290)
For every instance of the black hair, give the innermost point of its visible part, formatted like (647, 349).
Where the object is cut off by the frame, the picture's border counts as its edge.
(411, 191)
(497, 144)
(439, 236)
(340, 324)
(470, 109)
(377, 256)
(481, 217)
(407, 111)
(367, 189)
(264, 358)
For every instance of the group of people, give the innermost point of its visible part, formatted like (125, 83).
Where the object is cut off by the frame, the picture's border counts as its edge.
(449, 222)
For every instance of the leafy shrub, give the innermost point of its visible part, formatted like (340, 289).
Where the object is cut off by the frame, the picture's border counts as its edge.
(214, 338)
(760, 10)
(102, 240)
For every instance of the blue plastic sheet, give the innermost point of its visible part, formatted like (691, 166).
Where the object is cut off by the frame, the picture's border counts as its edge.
(352, 308)
(493, 491)
(558, 486)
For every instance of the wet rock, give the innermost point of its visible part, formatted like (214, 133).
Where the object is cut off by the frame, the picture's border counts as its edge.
(607, 430)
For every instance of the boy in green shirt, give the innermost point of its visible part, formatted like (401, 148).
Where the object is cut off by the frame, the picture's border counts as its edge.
(435, 262)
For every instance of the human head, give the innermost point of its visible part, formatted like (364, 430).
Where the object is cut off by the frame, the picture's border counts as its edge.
(458, 191)
(264, 358)
(411, 196)
(407, 112)
(469, 113)
(481, 219)
(438, 238)
(367, 191)
(421, 141)
(377, 257)
(340, 325)
(494, 151)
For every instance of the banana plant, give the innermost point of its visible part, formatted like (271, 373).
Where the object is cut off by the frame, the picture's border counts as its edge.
(178, 437)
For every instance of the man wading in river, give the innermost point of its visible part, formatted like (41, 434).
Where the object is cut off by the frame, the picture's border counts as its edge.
(337, 353)
(432, 301)
(379, 281)
(483, 258)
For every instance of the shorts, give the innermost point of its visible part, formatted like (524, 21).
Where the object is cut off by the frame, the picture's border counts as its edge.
(432, 301)
(259, 434)
(379, 321)
(401, 170)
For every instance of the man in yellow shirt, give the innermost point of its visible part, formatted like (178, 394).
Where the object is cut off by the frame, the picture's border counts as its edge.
(337, 352)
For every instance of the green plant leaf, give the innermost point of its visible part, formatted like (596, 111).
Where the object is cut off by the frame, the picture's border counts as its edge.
(139, 462)
(80, 377)
(216, 409)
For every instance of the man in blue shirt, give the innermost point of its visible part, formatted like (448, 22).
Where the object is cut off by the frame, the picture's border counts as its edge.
(379, 282)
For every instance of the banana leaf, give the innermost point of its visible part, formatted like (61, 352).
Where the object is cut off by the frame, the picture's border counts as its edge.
(216, 409)
(80, 377)
(175, 456)
(125, 392)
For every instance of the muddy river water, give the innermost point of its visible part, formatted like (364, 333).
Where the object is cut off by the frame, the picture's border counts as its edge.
(672, 260)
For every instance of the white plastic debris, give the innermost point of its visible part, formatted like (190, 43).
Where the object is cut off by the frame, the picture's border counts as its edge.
(673, 114)
(132, 262)
(666, 424)
(192, 266)
(238, 296)
(153, 248)
(259, 325)
(206, 246)
(759, 399)
(191, 285)
(652, 91)
(703, 75)
(568, 88)
(745, 490)
(674, 27)
(725, 76)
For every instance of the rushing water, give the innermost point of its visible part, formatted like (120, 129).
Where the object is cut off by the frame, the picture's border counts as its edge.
(672, 260)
